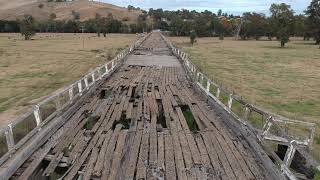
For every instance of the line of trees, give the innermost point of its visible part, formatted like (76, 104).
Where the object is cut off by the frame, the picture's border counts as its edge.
(282, 23)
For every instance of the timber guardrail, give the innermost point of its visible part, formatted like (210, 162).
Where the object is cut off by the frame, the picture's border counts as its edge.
(22, 129)
(267, 126)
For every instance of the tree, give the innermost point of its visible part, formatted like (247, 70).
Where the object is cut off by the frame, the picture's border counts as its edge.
(27, 27)
(282, 21)
(98, 24)
(254, 25)
(193, 36)
(300, 25)
(313, 20)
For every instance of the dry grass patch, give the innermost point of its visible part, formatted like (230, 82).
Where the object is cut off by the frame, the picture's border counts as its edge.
(284, 81)
(32, 69)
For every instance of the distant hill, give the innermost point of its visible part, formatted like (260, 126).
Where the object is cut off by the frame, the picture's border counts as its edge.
(41, 10)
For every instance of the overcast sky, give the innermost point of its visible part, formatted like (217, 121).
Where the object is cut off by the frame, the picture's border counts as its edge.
(230, 6)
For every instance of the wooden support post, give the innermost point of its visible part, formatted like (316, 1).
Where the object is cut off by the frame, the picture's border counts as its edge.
(112, 64)
(107, 70)
(267, 126)
(93, 77)
(310, 140)
(201, 80)
(208, 86)
(197, 77)
(290, 154)
(230, 100)
(218, 93)
(86, 82)
(246, 114)
(80, 87)
(71, 93)
(9, 137)
(36, 113)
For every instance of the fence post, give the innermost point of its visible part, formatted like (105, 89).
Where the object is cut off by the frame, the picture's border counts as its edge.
(36, 113)
(9, 137)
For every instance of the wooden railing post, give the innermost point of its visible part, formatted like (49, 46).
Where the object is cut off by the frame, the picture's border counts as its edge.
(267, 126)
(289, 154)
(71, 94)
(208, 85)
(86, 82)
(310, 140)
(112, 65)
(218, 93)
(93, 78)
(36, 113)
(80, 87)
(230, 100)
(9, 137)
(246, 114)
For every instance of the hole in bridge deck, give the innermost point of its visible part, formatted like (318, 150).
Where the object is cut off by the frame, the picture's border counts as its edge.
(161, 120)
(123, 121)
(92, 120)
(105, 93)
(298, 164)
(187, 113)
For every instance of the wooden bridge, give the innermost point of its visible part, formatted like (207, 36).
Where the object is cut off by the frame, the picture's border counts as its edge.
(151, 114)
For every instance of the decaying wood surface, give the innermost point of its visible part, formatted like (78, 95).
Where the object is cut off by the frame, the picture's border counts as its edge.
(137, 126)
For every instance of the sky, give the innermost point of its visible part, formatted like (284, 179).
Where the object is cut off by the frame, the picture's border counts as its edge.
(236, 7)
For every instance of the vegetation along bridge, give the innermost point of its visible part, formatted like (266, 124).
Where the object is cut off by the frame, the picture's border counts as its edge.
(151, 114)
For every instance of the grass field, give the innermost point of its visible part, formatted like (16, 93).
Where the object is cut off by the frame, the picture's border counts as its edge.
(30, 70)
(284, 81)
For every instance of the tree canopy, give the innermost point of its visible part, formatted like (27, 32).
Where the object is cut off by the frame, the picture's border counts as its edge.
(27, 27)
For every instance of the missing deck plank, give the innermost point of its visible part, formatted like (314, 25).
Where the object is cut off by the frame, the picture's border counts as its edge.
(123, 121)
(92, 120)
(187, 113)
(161, 120)
(105, 93)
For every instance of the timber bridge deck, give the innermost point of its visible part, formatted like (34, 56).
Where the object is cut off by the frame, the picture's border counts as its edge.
(146, 120)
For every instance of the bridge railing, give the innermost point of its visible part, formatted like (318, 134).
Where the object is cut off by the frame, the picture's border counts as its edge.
(267, 126)
(17, 133)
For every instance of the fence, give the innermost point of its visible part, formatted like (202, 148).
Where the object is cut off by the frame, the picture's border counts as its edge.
(17, 133)
(266, 126)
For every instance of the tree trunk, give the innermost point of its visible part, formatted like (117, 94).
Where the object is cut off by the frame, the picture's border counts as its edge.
(282, 44)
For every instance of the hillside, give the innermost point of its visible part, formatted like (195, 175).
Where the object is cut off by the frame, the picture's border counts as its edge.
(13, 9)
